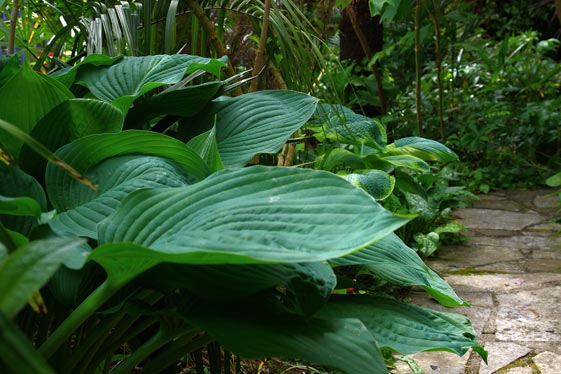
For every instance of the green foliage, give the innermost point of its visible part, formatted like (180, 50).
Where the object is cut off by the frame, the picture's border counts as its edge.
(185, 244)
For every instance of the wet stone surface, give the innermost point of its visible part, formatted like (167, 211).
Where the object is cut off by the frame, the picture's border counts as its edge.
(510, 272)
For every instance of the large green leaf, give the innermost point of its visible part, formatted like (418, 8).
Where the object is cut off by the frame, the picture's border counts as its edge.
(259, 122)
(85, 153)
(17, 184)
(254, 332)
(67, 76)
(265, 213)
(406, 328)
(124, 81)
(306, 286)
(20, 206)
(17, 352)
(9, 66)
(184, 102)
(422, 148)
(393, 261)
(249, 215)
(26, 98)
(116, 177)
(29, 268)
(70, 120)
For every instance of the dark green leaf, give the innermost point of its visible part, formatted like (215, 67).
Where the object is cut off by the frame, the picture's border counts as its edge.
(406, 328)
(85, 153)
(29, 268)
(17, 352)
(26, 98)
(341, 343)
(393, 261)
(259, 122)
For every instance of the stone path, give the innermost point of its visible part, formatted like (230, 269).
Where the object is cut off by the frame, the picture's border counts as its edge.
(510, 273)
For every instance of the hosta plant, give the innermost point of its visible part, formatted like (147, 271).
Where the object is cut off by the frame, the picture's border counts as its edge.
(158, 244)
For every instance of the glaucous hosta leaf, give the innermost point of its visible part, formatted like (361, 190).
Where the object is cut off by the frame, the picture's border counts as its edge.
(406, 328)
(70, 120)
(131, 77)
(116, 178)
(29, 268)
(393, 261)
(422, 148)
(266, 214)
(243, 216)
(87, 152)
(377, 183)
(255, 332)
(259, 122)
(26, 97)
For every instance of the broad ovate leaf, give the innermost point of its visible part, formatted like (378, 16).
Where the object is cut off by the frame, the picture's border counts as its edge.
(122, 82)
(249, 215)
(116, 178)
(265, 213)
(254, 332)
(87, 152)
(393, 261)
(26, 97)
(73, 119)
(406, 328)
(259, 122)
(29, 268)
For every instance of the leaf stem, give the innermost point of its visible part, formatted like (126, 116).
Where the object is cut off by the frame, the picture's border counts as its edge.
(175, 349)
(78, 316)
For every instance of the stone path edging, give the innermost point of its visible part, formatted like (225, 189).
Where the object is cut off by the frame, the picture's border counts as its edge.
(510, 273)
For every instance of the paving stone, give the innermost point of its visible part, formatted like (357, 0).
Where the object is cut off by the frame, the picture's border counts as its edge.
(548, 362)
(543, 265)
(546, 201)
(487, 219)
(435, 363)
(500, 282)
(500, 203)
(544, 228)
(515, 241)
(551, 346)
(520, 370)
(476, 256)
(501, 354)
(532, 315)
